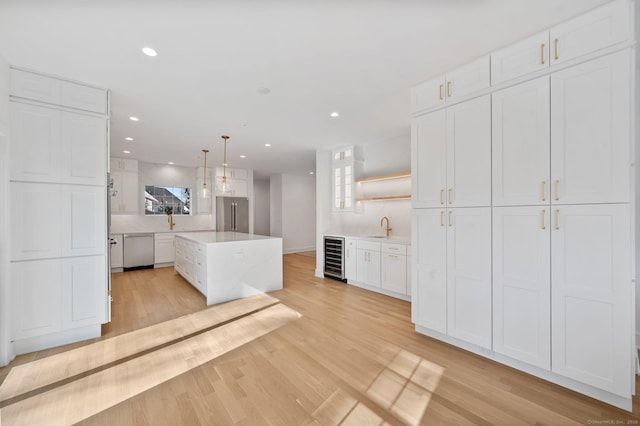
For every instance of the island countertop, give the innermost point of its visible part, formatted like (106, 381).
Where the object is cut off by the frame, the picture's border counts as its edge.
(221, 237)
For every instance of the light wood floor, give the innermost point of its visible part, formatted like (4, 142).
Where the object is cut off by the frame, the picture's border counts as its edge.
(351, 358)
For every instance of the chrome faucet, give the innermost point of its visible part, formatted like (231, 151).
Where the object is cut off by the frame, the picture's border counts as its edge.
(388, 226)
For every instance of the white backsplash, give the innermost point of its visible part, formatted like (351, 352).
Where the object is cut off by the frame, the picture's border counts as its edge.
(367, 220)
(130, 223)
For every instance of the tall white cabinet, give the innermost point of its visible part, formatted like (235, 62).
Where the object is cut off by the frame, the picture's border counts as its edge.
(58, 217)
(531, 265)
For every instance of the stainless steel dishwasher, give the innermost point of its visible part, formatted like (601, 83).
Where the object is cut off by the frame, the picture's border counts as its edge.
(138, 251)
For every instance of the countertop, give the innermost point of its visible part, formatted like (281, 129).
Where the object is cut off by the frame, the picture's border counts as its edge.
(221, 237)
(374, 238)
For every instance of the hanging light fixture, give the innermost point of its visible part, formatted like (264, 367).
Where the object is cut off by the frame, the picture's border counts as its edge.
(205, 190)
(224, 165)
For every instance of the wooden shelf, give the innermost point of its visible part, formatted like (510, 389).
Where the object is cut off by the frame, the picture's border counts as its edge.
(384, 177)
(386, 198)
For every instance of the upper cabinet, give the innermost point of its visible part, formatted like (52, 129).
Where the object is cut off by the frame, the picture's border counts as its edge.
(124, 186)
(344, 168)
(236, 182)
(602, 27)
(28, 85)
(453, 86)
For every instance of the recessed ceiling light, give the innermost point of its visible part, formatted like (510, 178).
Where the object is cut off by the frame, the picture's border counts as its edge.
(171, 163)
(129, 139)
(264, 90)
(149, 51)
(334, 114)
(312, 173)
(134, 119)
(267, 145)
(127, 152)
(243, 156)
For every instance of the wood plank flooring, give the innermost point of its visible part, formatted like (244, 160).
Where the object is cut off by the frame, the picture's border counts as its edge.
(352, 357)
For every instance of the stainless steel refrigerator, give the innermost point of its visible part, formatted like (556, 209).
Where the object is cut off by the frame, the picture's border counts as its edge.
(232, 214)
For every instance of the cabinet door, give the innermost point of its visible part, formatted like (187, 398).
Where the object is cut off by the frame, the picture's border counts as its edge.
(117, 255)
(469, 275)
(394, 273)
(521, 144)
(84, 291)
(83, 97)
(116, 194)
(36, 215)
(35, 143)
(350, 267)
(428, 94)
(592, 296)
(522, 284)
(375, 265)
(35, 298)
(83, 223)
(600, 28)
(590, 131)
(522, 58)
(469, 153)
(83, 149)
(130, 199)
(368, 267)
(468, 79)
(342, 186)
(428, 160)
(429, 280)
(28, 85)
(164, 249)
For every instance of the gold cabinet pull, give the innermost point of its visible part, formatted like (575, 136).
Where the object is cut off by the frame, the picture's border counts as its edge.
(450, 213)
(557, 214)
(450, 195)
(543, 191)
(542, 215)
(448, 88)
(440, 91)
(542, 53)
(441, 196)
(441, 217)
(556, 185)
(555, 49)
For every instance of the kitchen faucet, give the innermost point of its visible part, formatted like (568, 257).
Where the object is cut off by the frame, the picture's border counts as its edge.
(388, 226)
(171, 222)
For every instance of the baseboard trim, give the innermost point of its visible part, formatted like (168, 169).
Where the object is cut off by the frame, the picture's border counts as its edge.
(38, 343)
(298, 250)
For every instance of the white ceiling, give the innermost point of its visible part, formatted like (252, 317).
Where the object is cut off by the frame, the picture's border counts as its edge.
(357, 57)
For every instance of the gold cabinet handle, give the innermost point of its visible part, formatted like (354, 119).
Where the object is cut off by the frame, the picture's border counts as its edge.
(450, 195)
(542, 215)
(440, 91)
(450, 213)
(543, 191)
(542, 53)
(448, 88)
(441, 217)
(441, 197)
(556, 185)
(557, 214)
(555, 49)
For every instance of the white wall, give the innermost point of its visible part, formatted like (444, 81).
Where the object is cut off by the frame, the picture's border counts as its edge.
(293, 212)
(262, 203)
(637, 174)
(6, 349)
(326, 221)
(165, 175)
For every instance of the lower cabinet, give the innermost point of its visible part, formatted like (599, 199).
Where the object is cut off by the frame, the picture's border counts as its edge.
(394, 268)
(117, 253)
(56, 295)
(190, 262)
(368, 263)
(350, 261)
(164, 250)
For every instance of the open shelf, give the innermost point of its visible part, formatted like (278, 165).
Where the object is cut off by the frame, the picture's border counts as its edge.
(386, 198)
(384, 177)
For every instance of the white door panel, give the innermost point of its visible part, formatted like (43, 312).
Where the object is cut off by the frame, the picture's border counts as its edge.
(428, 157)
(83, 149)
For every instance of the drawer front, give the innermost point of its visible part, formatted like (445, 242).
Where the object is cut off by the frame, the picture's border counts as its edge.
(394, 248)
(368, 245)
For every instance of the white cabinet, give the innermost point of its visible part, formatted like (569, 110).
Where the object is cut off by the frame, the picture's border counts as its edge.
(602, 27)
(83, 149)
(30, 85)
(429, 270)
(350, 262)
(368, 263)
(469, 275)
(164, 250)
(84, 284)
(521, 144)
(522, 284)
(236, 185)
(592, 295)
(83, 225)
(117, 253)
(459, 83)
(394, 267)
(124, 198)
(451, 156)
(343, 174)
(522, 58)
(590, 131)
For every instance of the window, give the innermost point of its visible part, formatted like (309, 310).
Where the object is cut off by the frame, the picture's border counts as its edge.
(161, 200)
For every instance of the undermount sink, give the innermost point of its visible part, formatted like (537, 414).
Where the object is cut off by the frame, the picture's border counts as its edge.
(375, 236)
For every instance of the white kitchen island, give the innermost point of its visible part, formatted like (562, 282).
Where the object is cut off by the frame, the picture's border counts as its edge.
(225, 266)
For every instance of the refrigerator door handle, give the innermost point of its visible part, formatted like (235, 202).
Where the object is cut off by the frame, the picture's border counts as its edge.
(233, 216)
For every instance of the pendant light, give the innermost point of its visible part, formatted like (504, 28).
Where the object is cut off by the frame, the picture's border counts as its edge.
(205, 190)
(224, 165)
